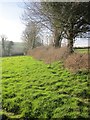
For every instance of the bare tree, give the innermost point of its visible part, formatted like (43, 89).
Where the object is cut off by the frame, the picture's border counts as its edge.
(30, 35)
(9, 47)
(34, 12)
(3, 40)
(6, 46)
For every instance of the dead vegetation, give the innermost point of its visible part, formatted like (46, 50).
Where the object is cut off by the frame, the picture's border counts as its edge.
(73, 62)
(49, 54)
(77, 62)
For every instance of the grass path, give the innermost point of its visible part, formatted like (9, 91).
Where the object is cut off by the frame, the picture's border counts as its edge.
(32, 89)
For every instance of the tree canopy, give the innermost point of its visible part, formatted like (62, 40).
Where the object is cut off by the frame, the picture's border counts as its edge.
(65, 19)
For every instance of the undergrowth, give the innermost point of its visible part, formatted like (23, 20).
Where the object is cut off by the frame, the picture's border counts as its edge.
(33, 89)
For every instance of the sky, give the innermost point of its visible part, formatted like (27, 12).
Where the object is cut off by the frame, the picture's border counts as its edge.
(11, 24)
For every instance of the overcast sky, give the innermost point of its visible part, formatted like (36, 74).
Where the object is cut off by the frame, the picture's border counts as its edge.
(10, 20)
(11, 24)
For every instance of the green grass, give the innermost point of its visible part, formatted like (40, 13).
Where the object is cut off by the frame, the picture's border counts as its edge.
(32, 89)
(83, 50)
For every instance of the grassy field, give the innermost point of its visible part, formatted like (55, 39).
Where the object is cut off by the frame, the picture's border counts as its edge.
(32, 89)
(82, 50)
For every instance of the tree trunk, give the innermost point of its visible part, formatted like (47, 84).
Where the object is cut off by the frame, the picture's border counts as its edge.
(70, 41)
(33, 42)
(70, 46)
(57, 39)
(60, 43)
(56, 42)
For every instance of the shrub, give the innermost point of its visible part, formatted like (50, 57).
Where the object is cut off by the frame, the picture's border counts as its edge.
(77, 62)
(49, 54)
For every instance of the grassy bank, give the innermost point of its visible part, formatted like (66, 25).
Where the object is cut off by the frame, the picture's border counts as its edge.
(32, 89)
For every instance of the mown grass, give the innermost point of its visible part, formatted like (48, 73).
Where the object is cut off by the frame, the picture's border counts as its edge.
(32, 89)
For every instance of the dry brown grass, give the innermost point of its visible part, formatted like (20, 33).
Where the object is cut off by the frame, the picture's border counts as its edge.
(77, 62)
(73, 62)
(49, 54)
